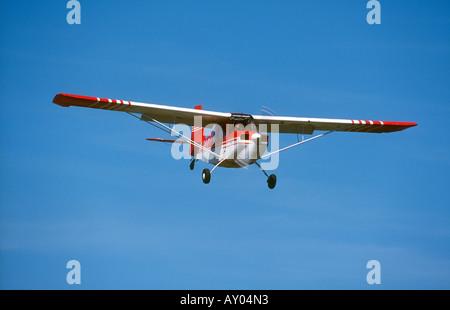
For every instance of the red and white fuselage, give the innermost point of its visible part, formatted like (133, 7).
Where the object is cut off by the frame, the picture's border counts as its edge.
(237, 149)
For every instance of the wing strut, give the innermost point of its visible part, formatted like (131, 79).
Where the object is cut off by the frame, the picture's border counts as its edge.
(176, 133)
(298, 143)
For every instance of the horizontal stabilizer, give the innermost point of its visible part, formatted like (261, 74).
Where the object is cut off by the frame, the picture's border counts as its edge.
(167, 140)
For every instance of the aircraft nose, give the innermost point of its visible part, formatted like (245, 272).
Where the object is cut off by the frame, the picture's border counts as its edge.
(256, 137)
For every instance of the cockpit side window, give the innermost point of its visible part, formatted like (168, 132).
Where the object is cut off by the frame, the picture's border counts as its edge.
(245, 136)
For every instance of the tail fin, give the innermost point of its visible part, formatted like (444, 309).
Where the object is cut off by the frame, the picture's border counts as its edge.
(197, 134)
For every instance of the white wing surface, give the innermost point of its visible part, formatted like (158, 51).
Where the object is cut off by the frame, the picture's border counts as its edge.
(174, 115)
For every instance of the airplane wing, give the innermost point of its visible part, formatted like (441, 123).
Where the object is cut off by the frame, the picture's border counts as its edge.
(304, 125)
(173, 115)
(162, 113)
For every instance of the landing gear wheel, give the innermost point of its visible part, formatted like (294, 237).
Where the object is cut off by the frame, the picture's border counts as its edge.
(191, 166)
(206, 176)
(272, 181)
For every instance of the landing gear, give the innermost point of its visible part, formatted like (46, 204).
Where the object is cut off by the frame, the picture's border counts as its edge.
(206, 176)
(191, 166)
(272, 181)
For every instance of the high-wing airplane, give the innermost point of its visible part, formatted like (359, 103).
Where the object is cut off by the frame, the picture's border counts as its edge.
(235, 139)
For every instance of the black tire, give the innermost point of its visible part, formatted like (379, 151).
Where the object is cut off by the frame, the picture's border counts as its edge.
(191, 166)
(206, 176)
(272, 181)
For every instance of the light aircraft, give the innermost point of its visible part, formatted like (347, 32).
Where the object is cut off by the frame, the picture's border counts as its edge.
(234, 140)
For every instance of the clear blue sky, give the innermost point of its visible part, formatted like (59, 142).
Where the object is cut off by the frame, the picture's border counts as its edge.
(84, 184)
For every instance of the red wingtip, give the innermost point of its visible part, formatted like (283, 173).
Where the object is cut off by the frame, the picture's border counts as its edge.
(60, 99)
(405, 124)
(66, 100)
(396, 126)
